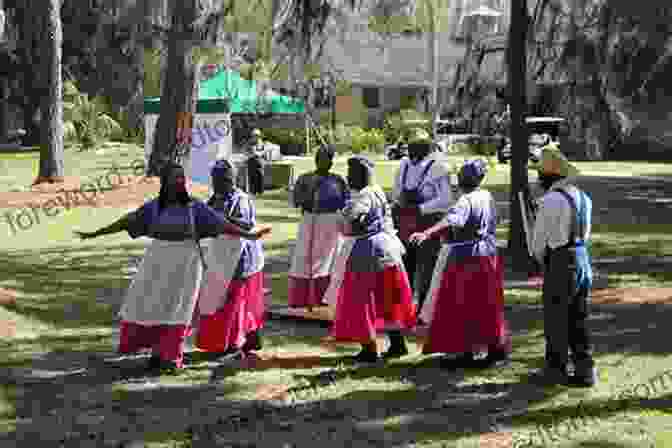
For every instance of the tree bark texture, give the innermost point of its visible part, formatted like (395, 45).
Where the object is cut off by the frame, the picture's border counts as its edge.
(178, 90)
(519, 135)
(51, 151)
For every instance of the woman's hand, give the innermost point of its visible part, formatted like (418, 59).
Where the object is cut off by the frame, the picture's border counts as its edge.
(261, 231)
(418, 238)
(85, 235)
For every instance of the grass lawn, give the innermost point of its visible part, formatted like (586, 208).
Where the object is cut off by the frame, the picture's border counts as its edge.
(58, 280)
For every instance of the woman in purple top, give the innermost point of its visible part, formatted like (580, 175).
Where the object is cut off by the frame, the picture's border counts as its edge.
(465, 305)
(160, 301)
(231, 305)
(320, 195)
(371, 288)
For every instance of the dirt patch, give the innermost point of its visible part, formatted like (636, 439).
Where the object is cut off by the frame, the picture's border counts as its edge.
(7, 297)
(122, 191)
(299, 361)
(269, 392)
(496, 440)
(632, 295)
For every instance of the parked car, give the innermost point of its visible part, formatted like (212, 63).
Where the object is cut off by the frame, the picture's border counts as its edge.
(543, 130)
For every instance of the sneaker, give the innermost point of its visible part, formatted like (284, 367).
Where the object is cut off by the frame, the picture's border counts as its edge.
(550, 376)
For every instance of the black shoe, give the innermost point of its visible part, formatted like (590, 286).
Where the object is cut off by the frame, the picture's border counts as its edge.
(550, 376)
(493, 359)
(366, 357)
(395, 352)
(168, 368)
(252, 342)
(461, 361)
(587, 378)
(154, 362)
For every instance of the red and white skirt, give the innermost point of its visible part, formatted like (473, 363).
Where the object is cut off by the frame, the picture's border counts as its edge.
(468, 308)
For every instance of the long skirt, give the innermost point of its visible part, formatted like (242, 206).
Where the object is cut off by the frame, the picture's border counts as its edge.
(318, 242)
(373, 302)
(241, 310)
(159, 305)
(467, 310)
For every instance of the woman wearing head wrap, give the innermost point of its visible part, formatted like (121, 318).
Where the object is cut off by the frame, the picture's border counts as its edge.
(160, 301)
(465, 306)
(231, 305)
(320, 195)
(372, 292)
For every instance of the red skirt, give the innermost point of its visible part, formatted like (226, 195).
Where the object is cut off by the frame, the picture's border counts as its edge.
(243, 312)
(369, 302)
(469, 310)
(166, 341)
(305, 292)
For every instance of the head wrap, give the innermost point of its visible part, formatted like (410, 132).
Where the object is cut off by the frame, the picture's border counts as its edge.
(223, 169)
(362, 161)
(473, 171)
(554, 162)
(327, 150)
(418, 136)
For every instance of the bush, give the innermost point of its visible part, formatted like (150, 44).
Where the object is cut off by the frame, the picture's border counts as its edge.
(396, 124)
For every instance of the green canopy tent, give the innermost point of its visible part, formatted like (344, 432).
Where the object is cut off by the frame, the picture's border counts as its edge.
(241, 95)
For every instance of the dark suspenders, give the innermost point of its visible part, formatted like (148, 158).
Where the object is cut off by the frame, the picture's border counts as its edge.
(574, 229)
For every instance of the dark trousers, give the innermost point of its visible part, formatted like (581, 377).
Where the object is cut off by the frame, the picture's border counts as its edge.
(565, 314)
(419, 262)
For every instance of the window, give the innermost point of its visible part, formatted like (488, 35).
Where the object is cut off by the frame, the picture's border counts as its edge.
(371, 97)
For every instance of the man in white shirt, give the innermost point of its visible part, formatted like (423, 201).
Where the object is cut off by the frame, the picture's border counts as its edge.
(561, 231)
(421, 197)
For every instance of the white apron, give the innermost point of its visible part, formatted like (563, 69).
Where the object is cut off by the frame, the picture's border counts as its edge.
(222, 257)
(319, 240)
(167, 285)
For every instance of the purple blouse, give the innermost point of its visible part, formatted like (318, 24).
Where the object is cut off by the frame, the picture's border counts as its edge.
(173, 223)
(474, 220)
(321, 194)
(237, 207)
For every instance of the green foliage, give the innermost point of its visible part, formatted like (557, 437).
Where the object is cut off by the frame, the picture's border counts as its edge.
(152, 79)
(85, 120)
(396, 125)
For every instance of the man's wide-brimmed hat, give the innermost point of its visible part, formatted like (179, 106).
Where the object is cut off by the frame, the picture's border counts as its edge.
(418, 136)
(553, 161)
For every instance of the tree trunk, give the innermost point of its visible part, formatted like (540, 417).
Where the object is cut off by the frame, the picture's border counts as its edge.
(519, 138)
(178, 89)
(4, 108)
(51, 151)
(433, 53)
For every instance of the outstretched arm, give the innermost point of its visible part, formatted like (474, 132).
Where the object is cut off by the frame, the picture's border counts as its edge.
(118, 226)
(226, 227)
